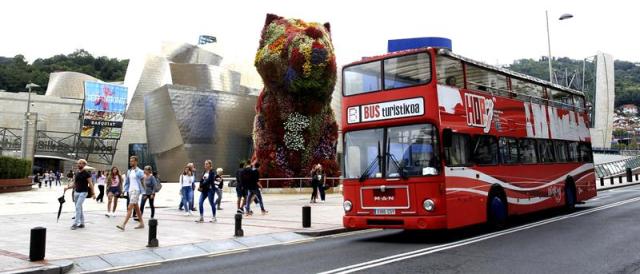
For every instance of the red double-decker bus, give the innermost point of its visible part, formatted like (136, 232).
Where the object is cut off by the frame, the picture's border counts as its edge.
(434, 140)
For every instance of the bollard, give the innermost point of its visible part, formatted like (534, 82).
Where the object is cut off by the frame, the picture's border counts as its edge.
(239, 231)
(153, 232)
(629, 175)
(37, 244)
(306, 216)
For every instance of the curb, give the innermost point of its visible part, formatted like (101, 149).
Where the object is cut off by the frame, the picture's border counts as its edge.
(323, 232)
(54, 267)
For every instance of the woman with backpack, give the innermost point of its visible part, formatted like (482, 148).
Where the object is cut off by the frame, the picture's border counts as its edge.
(114, 183)
(150, 184)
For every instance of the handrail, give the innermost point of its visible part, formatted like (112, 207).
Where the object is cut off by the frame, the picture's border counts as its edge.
(616, 168)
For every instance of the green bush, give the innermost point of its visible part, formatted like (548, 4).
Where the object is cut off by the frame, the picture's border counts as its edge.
(13, 168)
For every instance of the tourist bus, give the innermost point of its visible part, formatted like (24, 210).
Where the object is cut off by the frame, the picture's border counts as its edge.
(434, 140)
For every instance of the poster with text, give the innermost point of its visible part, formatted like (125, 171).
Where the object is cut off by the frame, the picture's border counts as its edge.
(104, 107)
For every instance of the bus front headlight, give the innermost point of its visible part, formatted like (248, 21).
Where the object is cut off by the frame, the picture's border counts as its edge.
(347, 205)
(429, 205)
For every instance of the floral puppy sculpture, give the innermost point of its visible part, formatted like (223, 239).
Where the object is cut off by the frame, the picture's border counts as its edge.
(295, 127)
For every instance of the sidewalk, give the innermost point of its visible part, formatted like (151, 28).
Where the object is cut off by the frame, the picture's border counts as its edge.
(19, 212)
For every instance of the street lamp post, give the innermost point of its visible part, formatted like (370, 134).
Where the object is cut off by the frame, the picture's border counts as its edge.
(563, 17)
(27, 120)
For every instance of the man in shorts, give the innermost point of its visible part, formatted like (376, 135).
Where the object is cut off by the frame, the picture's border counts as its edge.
(133, 186)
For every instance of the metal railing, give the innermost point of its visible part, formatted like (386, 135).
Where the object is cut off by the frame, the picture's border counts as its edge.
(616, 168)
(295, 182)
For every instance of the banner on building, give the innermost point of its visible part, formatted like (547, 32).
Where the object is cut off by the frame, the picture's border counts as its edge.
(104, 107)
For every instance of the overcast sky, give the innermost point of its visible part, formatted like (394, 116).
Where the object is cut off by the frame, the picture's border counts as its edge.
(496, 32)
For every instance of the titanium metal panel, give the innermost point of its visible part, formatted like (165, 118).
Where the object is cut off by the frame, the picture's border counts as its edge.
(205, 77)
(68, 84)
(212, 124)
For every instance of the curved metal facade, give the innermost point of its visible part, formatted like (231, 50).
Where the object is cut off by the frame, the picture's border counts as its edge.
(185, 124)
(68, 84)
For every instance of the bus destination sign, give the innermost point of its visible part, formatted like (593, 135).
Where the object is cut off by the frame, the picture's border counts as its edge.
(386, 110)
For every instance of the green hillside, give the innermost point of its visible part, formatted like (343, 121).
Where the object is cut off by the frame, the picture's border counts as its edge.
(16, 72)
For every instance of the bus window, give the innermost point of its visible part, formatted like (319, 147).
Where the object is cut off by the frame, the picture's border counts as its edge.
(561, 97)
(362, 78)
(584, 153)
(459, 154)
(407, 70)
(486, 80)
(485, 150)
(527, 91)
(573, 151)
(449, 72)
(414, 148)
(361, 151)
(508, 150)
(528, 151)
(561, 151)
(545, 151)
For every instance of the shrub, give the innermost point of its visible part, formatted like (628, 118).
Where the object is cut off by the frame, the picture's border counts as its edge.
(13, 168)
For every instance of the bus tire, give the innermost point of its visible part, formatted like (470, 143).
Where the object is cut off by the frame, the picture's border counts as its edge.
(569, 195)
(497, 211)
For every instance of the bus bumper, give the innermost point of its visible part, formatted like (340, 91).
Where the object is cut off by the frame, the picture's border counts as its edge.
(402, 222)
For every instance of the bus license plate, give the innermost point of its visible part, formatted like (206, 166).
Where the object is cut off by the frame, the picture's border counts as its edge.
(385, 211)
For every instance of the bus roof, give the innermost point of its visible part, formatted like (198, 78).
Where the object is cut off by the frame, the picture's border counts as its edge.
(473, 62)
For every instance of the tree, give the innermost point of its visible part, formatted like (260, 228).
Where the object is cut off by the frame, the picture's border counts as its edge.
(16, 72)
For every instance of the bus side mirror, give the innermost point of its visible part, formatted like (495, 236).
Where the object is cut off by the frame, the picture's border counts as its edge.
(446, 137)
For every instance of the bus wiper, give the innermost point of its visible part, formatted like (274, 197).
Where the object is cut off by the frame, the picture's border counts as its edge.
(366, 172)
(401, 170)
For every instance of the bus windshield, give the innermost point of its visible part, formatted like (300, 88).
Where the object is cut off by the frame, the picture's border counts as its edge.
(396, 72)
(411, 150)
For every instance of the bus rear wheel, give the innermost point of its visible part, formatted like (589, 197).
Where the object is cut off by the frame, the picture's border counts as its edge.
(496, 210)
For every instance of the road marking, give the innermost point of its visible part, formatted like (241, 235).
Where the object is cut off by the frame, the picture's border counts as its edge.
(134, 267)
(434, 249)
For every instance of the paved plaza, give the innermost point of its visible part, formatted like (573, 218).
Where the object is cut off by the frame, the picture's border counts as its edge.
(19, 212)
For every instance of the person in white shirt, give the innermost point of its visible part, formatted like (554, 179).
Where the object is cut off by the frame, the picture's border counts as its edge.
(133, 186)
(186, 180)
(100, 178)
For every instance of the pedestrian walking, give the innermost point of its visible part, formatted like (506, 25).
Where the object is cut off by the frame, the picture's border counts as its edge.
(192, 167)
(70, 176)
(318, 183)
(133, 187)
(114, 182)
(100, 182)
(46, 178)
(58, 175)
(186, 189)
(251, 180)
(52, 178)
(37, 179)
(81, 185)
(219, 183)
(207, 191)
(149, 183)
(241, 192)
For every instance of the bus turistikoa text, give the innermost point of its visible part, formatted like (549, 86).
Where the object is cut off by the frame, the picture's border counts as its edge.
(434, 140)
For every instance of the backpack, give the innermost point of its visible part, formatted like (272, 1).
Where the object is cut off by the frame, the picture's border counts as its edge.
(158, 186)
